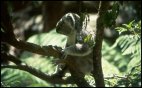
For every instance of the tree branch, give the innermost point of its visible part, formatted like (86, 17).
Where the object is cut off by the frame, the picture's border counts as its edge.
(40, 74)
(50, 50)
(97, 72)
(9, 37)
(42, 50)
(11, 58)
(23, 66)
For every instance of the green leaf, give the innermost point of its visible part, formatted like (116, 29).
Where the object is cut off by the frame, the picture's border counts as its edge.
(120, 29)
(88, 38)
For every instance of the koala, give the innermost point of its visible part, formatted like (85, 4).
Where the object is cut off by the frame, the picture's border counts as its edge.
(70, 26)
(76, 32)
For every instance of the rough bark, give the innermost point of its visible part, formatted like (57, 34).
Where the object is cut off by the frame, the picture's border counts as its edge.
(98, 72)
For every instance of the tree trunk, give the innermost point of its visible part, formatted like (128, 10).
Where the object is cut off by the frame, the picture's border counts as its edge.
(97, 72)
(52, 12)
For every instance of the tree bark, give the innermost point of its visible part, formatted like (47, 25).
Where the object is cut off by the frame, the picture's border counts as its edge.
(52, 12)
(98, 72)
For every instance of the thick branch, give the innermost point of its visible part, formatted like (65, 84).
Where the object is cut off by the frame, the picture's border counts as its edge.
(23, 66)
(34, 48)
(42, 50)
(40, 74)
(98, 73)
(9, 37)
(11, 58)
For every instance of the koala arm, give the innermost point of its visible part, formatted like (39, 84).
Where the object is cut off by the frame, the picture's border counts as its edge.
(78, 50)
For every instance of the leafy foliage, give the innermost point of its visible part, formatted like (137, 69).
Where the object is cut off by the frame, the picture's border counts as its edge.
(132, 27)
(133, 79)
(129, 43)
(111, 15)
(88, 40)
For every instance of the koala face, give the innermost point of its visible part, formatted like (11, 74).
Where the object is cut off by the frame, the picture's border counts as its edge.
(67, 24)
(64, 27)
